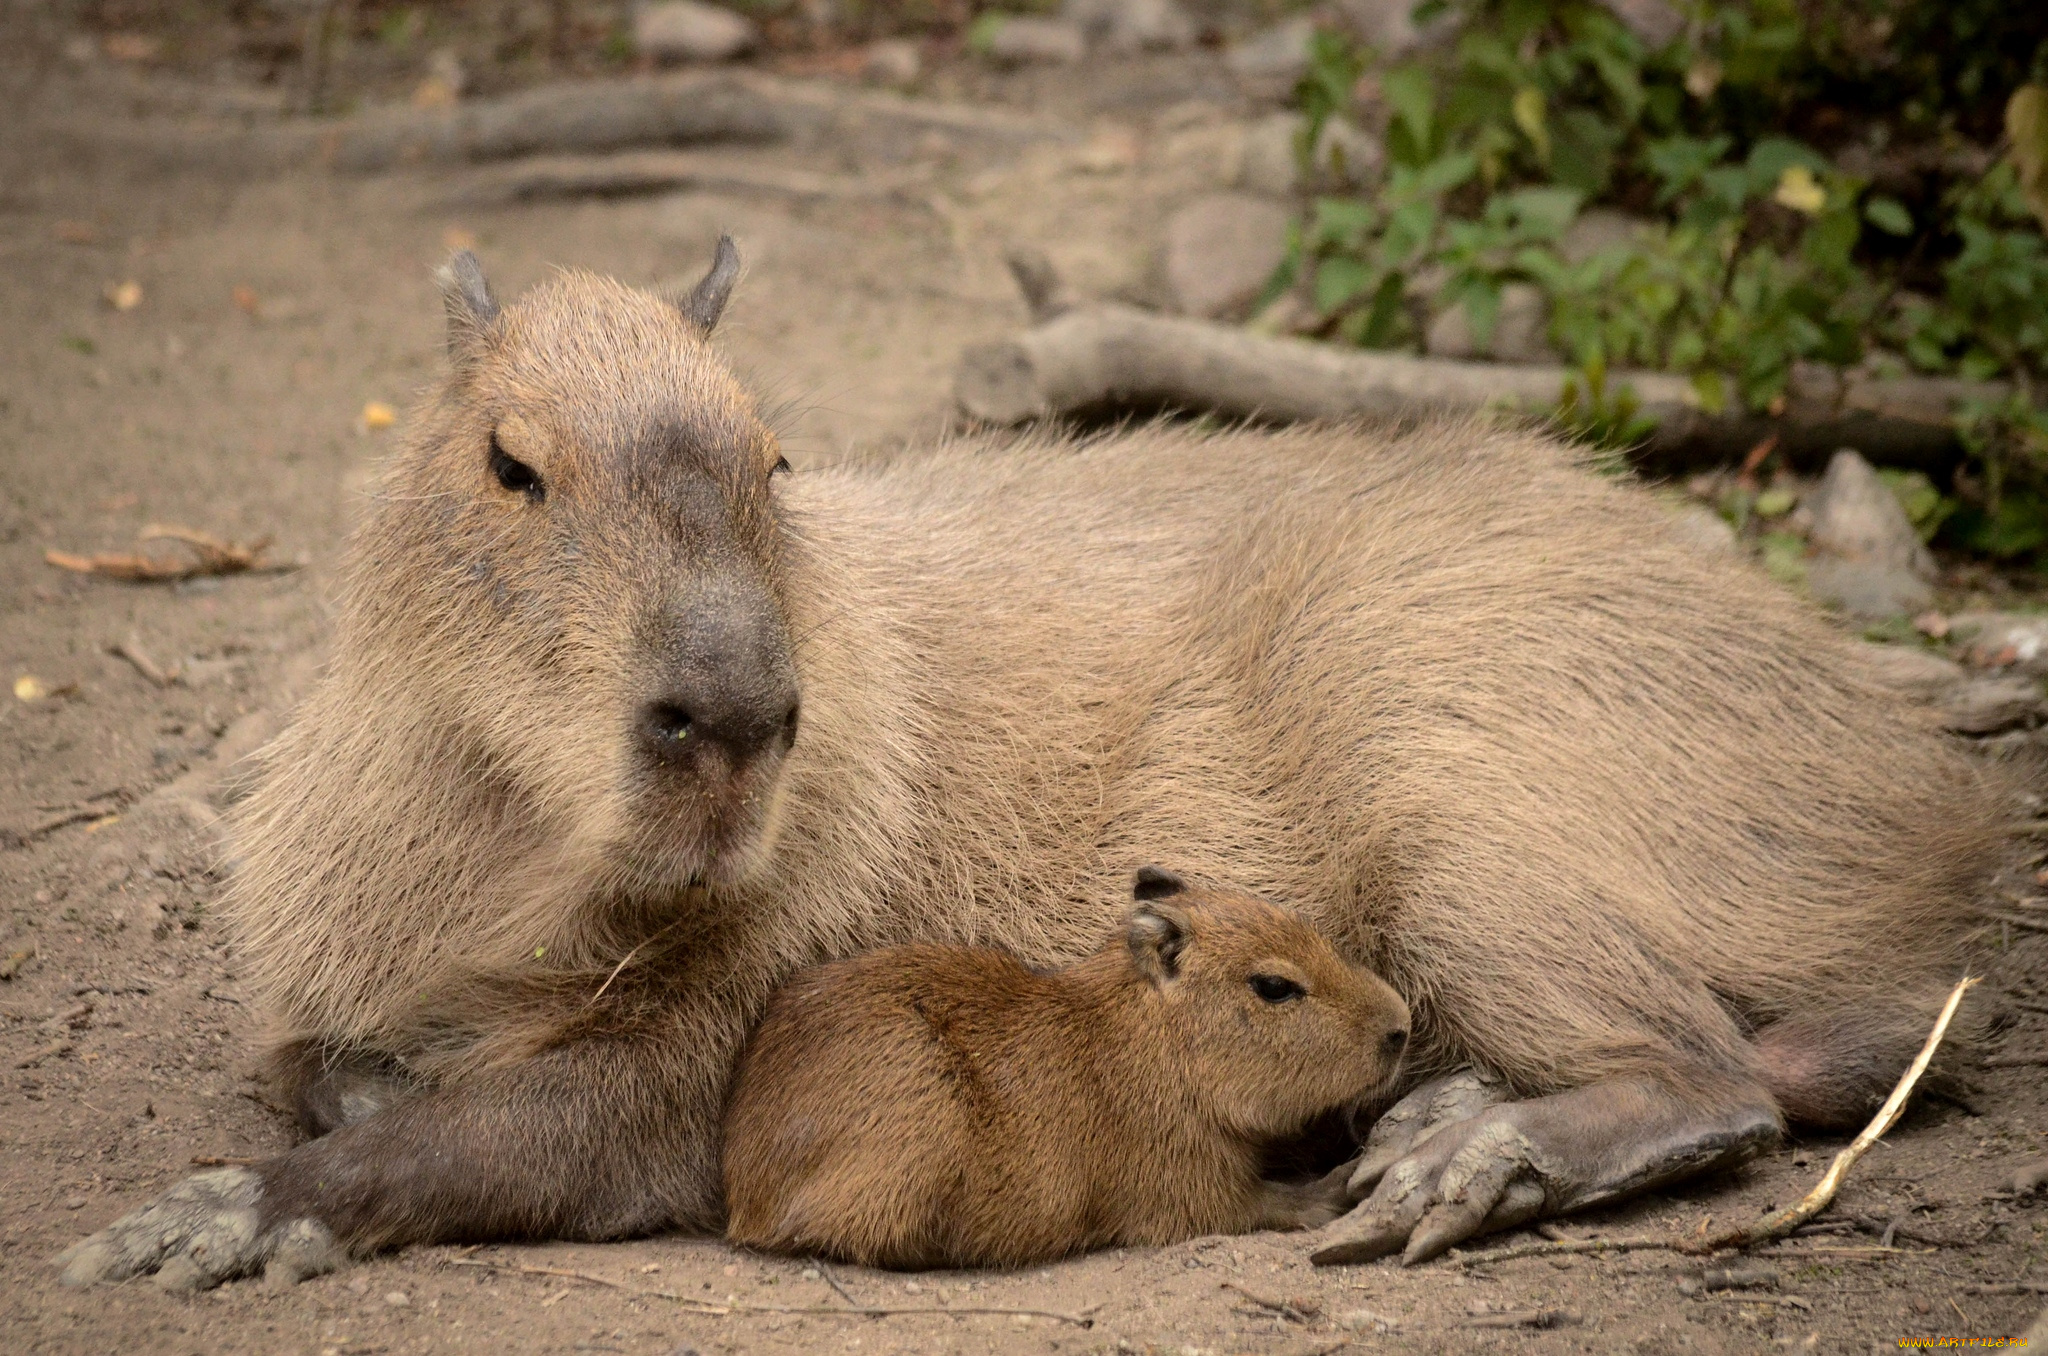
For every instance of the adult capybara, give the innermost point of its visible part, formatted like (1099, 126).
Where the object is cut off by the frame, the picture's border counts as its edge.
(929, 1105)
(623, 725)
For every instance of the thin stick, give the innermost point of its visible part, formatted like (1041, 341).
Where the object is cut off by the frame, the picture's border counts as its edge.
(1823, 1193)
(721, 1307)
(1287, 1309)
(1480, 1259)
(2021, 921)
(132, 651)
(833, 1281)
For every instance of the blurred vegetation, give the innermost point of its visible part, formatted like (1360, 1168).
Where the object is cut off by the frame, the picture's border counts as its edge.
(1847, 182)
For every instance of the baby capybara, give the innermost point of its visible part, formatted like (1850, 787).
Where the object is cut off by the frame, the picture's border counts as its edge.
(929, 1105)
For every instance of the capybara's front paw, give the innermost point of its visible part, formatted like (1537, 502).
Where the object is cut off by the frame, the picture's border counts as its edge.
(203, 1231)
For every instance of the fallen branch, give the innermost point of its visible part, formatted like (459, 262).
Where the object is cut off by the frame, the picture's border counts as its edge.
(2015, 1061)
(132, 651)
(1823, 1193)
(1575, 1245)
(210, 556)
(722, 1307)
(1293, 1310)
(638, 173)
(1107, 358)
(1524, 1318)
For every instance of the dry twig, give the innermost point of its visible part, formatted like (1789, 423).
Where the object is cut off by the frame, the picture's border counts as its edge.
(1823, 1193)
(1556, 1246)
(132, 651)
(722, 1307)
(1293, 1310)
(210, 556)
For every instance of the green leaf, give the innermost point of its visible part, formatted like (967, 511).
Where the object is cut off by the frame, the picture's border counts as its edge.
(1529, 111)
(1411, 93)
(1338, 281)
(1389, 311)
(1888, 215)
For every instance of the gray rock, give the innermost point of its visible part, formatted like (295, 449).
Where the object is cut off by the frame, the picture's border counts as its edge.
(1988, 705)
(684, 30)
(1132, 25)
(1389, 25)
(1857, 518)
(1867, 588)
(1221, 249)
(1025, 39)
(1704, 530)
(1276, 56)
(892, 62)
(1518, 330)
(1654, 21)
(1345, 155)
(2002, 640)
(1597, 229)
(1269, 166)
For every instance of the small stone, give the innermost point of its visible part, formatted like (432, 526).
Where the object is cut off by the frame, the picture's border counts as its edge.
(1221, 251)
(1865, 588)
(1024, 39)
(1276, 56)
(1518, 329)
(1654, 21)
(1345, 155)
(1126, 26)
(1367, 1320)
(74, 1203)
(1858, 518)
(684, 30)
(1390, 27)
(1704, 530)
(893, 62)
(1597, 229)
(397, 1299)
(1270, 166)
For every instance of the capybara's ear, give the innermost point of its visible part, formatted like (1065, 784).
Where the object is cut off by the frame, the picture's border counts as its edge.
(1156, 883)
(471, 308)
(706, 301)
(1157, 934)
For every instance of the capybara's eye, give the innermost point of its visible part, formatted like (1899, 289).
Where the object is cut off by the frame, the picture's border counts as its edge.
(514, 474)
(1276, 988)
(781, 465)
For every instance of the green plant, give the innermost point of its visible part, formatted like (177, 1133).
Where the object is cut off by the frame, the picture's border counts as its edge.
(1763, 151)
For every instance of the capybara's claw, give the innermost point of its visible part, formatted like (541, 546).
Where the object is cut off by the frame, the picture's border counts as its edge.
(1456, 1096)
(1465, 1177)
(203, 1231)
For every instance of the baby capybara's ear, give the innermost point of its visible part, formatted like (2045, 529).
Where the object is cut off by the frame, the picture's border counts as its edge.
(1157, 933)
(471, 308)
(1156, 883)
(706, 301)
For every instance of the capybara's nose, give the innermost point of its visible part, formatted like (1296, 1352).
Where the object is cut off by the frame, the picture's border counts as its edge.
(1394, 1042)
(742, 726)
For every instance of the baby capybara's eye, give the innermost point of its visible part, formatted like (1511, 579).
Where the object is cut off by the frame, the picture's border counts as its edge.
(514, 474)
(1276, 988)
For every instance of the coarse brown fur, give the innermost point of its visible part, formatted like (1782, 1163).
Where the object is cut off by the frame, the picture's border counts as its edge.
(928, 1105)
(1595, 804)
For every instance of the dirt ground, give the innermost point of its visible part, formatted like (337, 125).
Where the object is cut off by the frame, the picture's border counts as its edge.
(231, 399)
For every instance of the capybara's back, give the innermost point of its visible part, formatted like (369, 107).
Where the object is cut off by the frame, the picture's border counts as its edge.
(931, 1105)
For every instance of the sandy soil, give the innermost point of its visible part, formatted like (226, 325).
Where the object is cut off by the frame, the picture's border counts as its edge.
(123, 1031)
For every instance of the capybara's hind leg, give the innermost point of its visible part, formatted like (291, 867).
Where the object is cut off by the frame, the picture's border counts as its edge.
(1832, 1069)
(328, 1089)
(1518, 1161)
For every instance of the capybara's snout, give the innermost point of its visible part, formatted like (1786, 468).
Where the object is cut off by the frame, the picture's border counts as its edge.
(723, 687)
